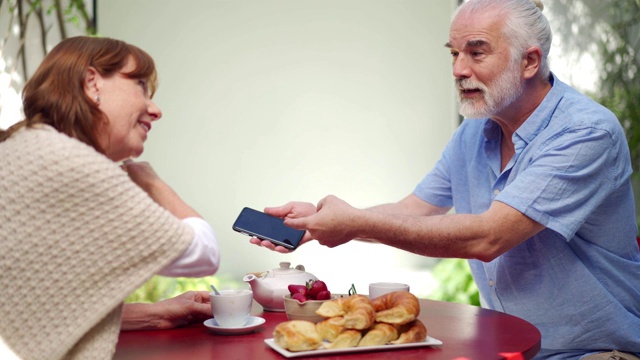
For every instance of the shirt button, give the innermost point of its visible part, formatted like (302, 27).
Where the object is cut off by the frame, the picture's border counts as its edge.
(491, 283)
(496, 191)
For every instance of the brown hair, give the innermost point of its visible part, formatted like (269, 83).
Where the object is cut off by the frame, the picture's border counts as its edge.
(55, 94)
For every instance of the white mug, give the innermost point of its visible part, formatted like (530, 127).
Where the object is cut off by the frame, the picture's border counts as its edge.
(381, 288)
(232, 307)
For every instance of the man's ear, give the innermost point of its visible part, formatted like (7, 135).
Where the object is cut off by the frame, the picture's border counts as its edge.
(532, 62)
(92, 83)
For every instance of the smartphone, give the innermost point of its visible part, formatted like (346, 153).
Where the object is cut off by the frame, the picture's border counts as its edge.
(267, 227)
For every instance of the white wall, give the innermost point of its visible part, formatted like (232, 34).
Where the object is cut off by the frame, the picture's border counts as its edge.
(266, 101)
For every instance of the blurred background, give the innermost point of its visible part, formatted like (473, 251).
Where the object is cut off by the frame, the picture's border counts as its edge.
(265, 102)
(270, 101)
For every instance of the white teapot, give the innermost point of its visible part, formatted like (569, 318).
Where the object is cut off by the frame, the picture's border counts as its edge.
(270, 287)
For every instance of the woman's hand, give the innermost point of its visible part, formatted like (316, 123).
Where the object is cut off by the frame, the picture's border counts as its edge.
(142, 174)
(146, 178)
(186, 308)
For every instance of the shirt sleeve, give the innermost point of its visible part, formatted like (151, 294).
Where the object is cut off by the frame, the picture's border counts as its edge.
(201, 258)
(436, 187)
(567, 179)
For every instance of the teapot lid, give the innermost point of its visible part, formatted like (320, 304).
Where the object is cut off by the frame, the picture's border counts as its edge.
(286, 269)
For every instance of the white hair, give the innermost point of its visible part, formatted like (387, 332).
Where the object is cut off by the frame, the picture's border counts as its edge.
(525, 26)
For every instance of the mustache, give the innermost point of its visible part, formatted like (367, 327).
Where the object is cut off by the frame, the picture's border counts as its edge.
(468, 84)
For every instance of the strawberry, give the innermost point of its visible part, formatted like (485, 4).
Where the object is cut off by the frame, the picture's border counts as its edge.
(300, 297)
(293, 289)
(323, 295)
(316, 287)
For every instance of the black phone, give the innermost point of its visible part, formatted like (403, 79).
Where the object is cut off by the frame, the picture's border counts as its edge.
(267, 227)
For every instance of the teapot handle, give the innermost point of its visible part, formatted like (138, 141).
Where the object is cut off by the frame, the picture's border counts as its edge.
(300, 267)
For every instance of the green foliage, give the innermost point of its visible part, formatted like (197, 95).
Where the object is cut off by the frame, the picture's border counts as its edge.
(456, 283)
(76, 13)
(612, 33)
(619, 80)
(160, 288)
(38, 21)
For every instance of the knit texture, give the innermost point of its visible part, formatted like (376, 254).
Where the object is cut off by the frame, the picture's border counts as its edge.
(76, 237)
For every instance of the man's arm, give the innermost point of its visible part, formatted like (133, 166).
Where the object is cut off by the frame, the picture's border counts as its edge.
(410, 205)
(484, 236)
(293, 210)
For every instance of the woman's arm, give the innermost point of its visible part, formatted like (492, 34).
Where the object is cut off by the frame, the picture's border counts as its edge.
(146, 178)
(202, 257)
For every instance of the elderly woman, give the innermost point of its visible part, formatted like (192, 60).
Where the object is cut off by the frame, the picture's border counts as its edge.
(79, 230)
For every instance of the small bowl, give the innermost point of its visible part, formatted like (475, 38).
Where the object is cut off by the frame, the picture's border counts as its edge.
(303, 311)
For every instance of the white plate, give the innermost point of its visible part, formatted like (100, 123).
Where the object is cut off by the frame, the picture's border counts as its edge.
(253, 323)
(429, 341)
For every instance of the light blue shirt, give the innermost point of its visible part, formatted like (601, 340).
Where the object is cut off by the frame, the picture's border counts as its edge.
(578, 280)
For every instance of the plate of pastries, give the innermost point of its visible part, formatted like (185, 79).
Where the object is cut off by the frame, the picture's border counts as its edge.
(354, 324)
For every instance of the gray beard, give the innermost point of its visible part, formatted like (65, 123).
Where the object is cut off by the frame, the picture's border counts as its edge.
(502, 92)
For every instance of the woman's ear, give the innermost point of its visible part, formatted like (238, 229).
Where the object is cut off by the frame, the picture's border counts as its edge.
(92, 84)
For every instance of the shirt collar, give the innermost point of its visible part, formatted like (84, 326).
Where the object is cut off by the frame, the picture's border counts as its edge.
(538, 120)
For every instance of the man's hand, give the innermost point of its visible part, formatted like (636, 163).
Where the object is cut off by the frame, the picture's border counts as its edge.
(334, 223)
(291, 210)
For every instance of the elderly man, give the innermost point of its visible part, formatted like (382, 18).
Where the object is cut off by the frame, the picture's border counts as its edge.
(539, 177)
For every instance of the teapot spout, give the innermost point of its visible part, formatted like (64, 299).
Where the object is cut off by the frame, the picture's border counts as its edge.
(249, 278)
(254, 280)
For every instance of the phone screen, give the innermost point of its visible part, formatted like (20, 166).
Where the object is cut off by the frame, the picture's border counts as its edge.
(266, 227)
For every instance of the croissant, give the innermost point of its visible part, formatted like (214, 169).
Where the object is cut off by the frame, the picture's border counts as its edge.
(414, 331)
(346, 339)
(380, 334)
(356, 311)
(356, 321)
(297, 335)
(330, 328)
(397, 308)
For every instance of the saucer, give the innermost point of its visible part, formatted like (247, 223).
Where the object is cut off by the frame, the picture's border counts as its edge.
(253, 323)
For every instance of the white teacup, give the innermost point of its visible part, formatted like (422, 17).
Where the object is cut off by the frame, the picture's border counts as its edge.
(232, 307)
(381, 288)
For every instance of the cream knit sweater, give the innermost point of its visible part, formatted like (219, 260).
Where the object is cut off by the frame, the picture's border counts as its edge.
(76, 237)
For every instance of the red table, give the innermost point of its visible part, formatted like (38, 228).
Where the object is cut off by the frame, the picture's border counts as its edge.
(467, 332)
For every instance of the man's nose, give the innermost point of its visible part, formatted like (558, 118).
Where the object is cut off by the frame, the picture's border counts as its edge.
(461, 68)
